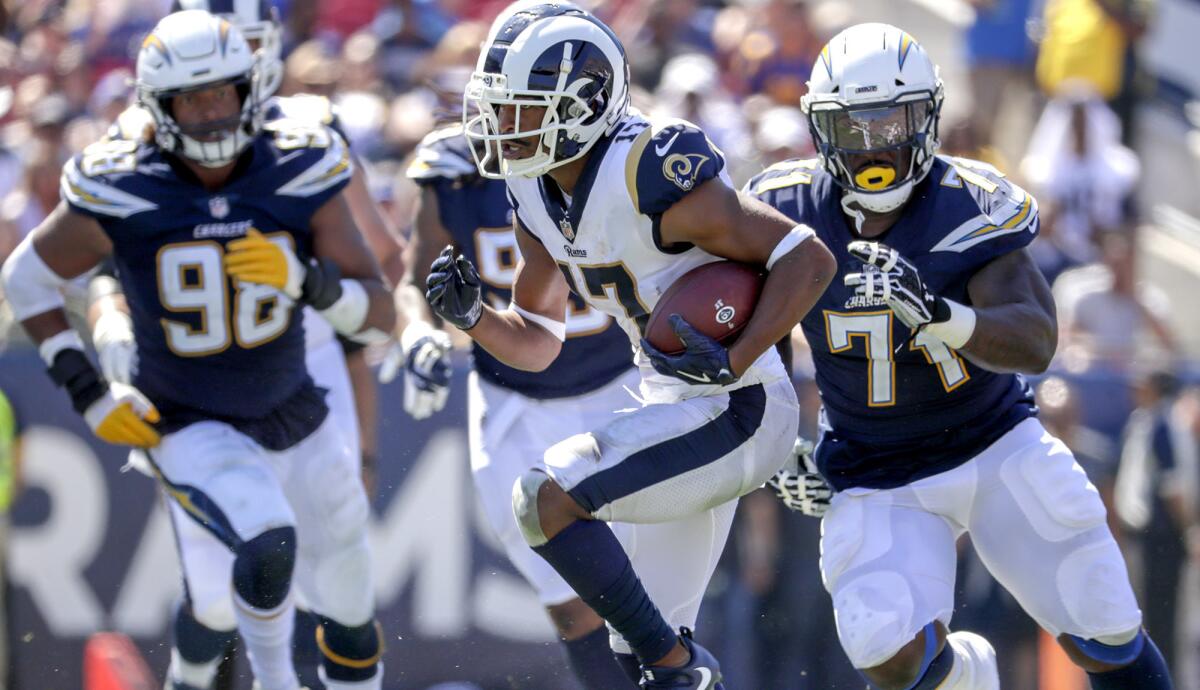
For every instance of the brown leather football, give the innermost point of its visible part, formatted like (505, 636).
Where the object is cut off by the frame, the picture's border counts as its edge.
(717, 299)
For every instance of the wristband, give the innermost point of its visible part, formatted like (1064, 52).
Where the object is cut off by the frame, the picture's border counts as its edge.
(72, 370)
(348, 312)
(956, 330)
(322, 284)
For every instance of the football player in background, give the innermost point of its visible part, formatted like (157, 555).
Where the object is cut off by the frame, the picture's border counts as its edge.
(615, 207)
(218, 227)
(928, 428)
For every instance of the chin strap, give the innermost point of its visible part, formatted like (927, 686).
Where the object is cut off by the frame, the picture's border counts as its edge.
(854, 212)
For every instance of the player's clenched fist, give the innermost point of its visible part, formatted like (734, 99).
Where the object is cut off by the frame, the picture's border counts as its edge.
(892, 278)
(453, 289)
(256, 259)
(123, 416)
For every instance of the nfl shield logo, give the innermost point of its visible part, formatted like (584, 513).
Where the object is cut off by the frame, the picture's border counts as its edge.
(218, 206)
(568, 231)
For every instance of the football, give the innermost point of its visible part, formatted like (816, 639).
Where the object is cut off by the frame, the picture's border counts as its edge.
(717, 299)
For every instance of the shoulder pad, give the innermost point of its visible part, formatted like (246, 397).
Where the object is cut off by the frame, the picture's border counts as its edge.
(666, 161)
(442, 154)
(315, 158)
(783, 174)
(91, 181)
(135, 123)
(1003, 210)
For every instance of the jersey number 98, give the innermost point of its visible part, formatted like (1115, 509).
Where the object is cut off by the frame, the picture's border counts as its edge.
(191, 279)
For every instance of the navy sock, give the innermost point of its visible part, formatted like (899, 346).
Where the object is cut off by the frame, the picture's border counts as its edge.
(196, 642)
(592, 661)
(937, 670)
(588, 556)
(1148, 671)
(629, 666)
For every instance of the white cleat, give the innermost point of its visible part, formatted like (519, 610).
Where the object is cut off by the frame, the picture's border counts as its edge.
(974, 663)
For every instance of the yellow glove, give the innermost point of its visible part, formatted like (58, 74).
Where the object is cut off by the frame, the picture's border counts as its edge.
(123, 417)
(256, 259)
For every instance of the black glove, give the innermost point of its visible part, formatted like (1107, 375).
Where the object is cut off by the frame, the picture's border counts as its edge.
(893, 279)
(454, 291)
(704, 361)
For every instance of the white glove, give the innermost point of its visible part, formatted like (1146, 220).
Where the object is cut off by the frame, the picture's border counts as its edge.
(115, 348)
(799, 485)
(424, 352)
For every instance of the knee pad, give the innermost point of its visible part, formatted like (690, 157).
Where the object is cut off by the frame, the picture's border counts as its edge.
(874, 617)
(1093, 584)
(1118, 655)
(349, 653)
(262, 569)
(525, 501)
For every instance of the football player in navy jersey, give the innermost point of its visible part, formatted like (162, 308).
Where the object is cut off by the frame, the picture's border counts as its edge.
(218, 228)
(204, 623)
(929, 430)
(615, 207)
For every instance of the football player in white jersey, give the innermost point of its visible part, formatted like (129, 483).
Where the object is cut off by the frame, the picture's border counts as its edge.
(928, 427)
(245, 450)
(615, 207)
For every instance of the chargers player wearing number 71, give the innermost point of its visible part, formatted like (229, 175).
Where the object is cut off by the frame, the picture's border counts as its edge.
(928, 428)
(615, 207)
(219, 227)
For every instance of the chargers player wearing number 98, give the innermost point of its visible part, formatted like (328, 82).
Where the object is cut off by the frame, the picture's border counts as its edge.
(928, 428)
(615, 207)
(219, 228)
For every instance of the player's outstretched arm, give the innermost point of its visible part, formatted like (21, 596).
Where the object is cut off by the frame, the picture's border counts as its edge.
(64, 246)
(423, 350)
(736, 226)
(381, 237)
(529, 334)
(1016, 328)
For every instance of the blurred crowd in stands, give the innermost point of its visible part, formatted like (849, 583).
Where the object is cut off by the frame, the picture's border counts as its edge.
(1051, 97)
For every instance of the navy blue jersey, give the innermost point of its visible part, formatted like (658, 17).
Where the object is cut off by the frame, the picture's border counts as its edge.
(476, 213)
(230, 350)
(892, 417)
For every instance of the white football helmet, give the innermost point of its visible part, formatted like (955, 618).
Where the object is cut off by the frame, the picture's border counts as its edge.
(873, 90)
(550, 55)
(189, 51)
(258, 21)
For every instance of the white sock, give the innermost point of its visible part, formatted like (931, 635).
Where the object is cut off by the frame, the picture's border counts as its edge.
(268, 638)
(974, 664)
(374, 683)
(193, 675)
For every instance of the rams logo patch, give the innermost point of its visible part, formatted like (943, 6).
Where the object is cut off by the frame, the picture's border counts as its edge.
(682, 169)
